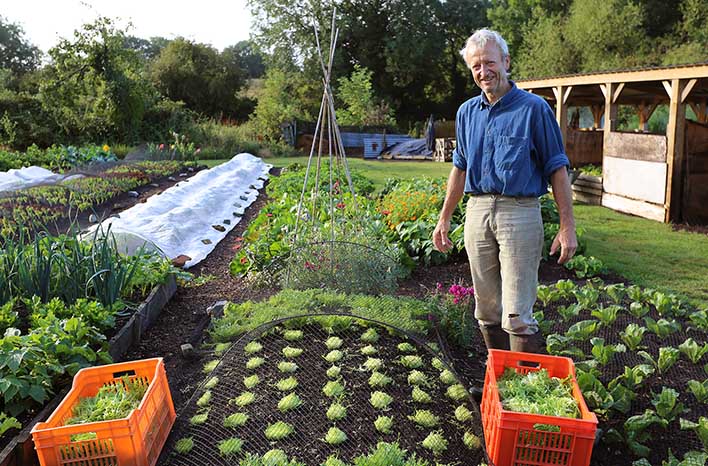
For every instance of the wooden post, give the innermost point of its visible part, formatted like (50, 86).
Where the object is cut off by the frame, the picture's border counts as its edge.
(597, 111)
(562, 93)
(645, 112)
(675, 148)
(608, 90)
(701, 111)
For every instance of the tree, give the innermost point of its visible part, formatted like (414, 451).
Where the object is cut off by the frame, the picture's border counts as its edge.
(94, 88)
(148, 49)
(199, 76)
(16, 52)
(358, 105)
(544, 50)
(248, 56)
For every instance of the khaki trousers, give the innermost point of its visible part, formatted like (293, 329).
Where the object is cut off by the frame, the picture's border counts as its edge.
(504, 243)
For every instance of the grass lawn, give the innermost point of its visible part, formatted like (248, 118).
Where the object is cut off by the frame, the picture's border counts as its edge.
(646, 252)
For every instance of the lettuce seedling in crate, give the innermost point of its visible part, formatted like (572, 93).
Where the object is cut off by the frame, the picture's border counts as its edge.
(383, 424)
(435, 442)
(336, 411)
(333, 343)
(254, 363)
(380, 400)
(406, 347)
(333, 389)
(290, 352)
(370, 336)
(471, 441)
(293, 335)
(184, 445)
(252, 347)
(286, 385)
(693, 351)
(287, 367)
(289, 402)
(251, 381)
(411, 362)
(425, 418)
(244, 399)
(368, 350)
(379, 379)
(199, 419)
(334, 372)
(372, 364)
(335, 436)
(416, 377)
(235, 420)
(421, 396)
(334, 356)
(278, 431)
(230, 447)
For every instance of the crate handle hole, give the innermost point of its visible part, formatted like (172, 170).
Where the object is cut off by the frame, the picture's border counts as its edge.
(529, 364)
(118, 375)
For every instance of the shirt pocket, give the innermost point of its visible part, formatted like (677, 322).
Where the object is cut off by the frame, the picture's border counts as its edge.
(512, 154)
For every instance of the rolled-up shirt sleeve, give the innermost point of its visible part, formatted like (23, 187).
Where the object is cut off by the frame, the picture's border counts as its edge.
(458, 154)
(548, 142)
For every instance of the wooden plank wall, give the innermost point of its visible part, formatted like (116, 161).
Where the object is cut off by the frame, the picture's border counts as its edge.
(695, 192)
(588, 189)
(584, 147)
(634, 174)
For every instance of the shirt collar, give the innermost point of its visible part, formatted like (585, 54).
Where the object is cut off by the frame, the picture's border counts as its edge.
(508, 97)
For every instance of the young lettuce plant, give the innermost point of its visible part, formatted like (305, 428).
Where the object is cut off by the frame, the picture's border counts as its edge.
(635, 432)
(286, 385)
(333, 343)
(334, 372)
(667, 358)
(424, 418)
(456, 392)
(199, 418)
(184, 445)
(383, 424)
(252, 347)
(606, 315)
(421, 396)
(230, 447)
(570, 311)
(336, 412)
(632, 336)
(244, 399)
(700, 428)
(566, 288)
(692, 350)
(254, 363)
(406, 347)
(289, 402)
(293, 335)
(211, 383)
(369, 350)
(278, 430)
(380, 400)
(447, 377)
(372, 364)
(463, 414)
(638, 310)
(334, 356)
(378, 380)
(603, 353)
(416, 377)
(205, 399)
(471, 441)
(287, 367)
(210, 366)
(435, 442)
(235, 420)
(335, 436)
(251, 381)
(662, 328)
(438, 364)
(547, 295)
(616, 292)
(333, 389)
(582, 331)
(370, 336)
(290, 352)
(411, 362)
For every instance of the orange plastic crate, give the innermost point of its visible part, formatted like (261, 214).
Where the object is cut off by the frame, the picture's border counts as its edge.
(511, 437)
(132, 441)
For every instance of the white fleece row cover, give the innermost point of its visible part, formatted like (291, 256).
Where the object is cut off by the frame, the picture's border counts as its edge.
(26, 177)
(181, 219)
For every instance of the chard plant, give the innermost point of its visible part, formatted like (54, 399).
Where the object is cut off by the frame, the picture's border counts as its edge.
(435, 442)
(383, 424)
(244, 399)
(333, 343)
(424, 418)
(663, 327)
(370, 336)
(379, 380)
(287, 367)
(421, 396)
(290, 352)
(335, 436)
(336, 412)
(211, 383)
(699, 390)
(582, 331)
(334, 372)
(252, 347)
(692, 350)
(471, 441)
(286, 385)
(566, 288)
(667, 405)
(632, 336)
(254, 363)
(463, 414)
(251, 381)
(636, 432)
(637, 309)
(199, 418)
(603, 353)
(205, 399)
(289, 402)
(411, 362)
(569, 312)
(447, 377)
(380, 400)
(230, 447)
(372, 364)
(616, 292)
(210, 366)
(334, 356)
(587, 296)
(235, 420)
(369, 350)
(548, 294)
(184, 445)
(667, 358)
(700, 428)
(333, 389)
(293, 335)
(456, 392)
(406, 347)
(416, 377)
(606, 315)
(278, 430)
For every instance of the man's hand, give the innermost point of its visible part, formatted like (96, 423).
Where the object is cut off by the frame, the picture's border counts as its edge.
(440, 239)
(567, 242)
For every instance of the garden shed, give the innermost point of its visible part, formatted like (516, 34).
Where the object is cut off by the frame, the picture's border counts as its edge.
(658, 176)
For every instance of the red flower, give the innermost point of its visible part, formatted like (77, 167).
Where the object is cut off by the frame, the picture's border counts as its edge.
(244, 260)
(239, 238)
(237, 247)
(386, 212)
(162, 146)
(340, 205)
(269, 215)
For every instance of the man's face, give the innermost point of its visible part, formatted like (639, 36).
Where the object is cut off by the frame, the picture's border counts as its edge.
(488, 67)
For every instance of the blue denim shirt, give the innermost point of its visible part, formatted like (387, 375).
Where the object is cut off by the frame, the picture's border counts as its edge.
(509, 148)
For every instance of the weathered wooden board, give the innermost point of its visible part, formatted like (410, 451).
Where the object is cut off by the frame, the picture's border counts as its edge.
(635, 179)
(634, 207)
(592, 199)
(587, 190)
(636, 146)
(583, 147)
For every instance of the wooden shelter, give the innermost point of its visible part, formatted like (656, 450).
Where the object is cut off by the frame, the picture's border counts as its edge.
(658, 176)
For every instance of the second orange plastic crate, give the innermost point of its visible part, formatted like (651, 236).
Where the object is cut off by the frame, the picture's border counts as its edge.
(132, 441)
(522, 439)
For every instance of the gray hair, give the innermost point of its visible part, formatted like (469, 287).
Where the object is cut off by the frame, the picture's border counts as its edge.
(480, 38)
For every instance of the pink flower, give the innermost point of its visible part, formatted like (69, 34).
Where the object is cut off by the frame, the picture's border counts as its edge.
(387, 212)
(269, 215)
(439, 286)
(162, 146)
(340, 205)
(199, 149)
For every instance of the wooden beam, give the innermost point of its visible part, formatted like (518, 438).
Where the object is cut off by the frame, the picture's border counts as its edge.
(617, 93)
(667, 86)
(610, 117)
(645, 112)
(687, 90)
(561, 111)
(675, 148)
(567, 94)
(597, 111)
(603, 88)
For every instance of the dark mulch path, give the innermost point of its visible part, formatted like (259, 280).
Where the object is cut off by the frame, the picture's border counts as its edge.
(700, 229)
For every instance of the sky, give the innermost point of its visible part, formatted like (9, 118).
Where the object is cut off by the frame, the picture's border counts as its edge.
(219, 23)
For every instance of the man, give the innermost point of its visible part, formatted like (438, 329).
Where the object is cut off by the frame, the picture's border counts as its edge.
(509, 147)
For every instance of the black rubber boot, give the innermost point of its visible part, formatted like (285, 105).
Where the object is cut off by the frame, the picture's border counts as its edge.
(495, 337)
(528, 343)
